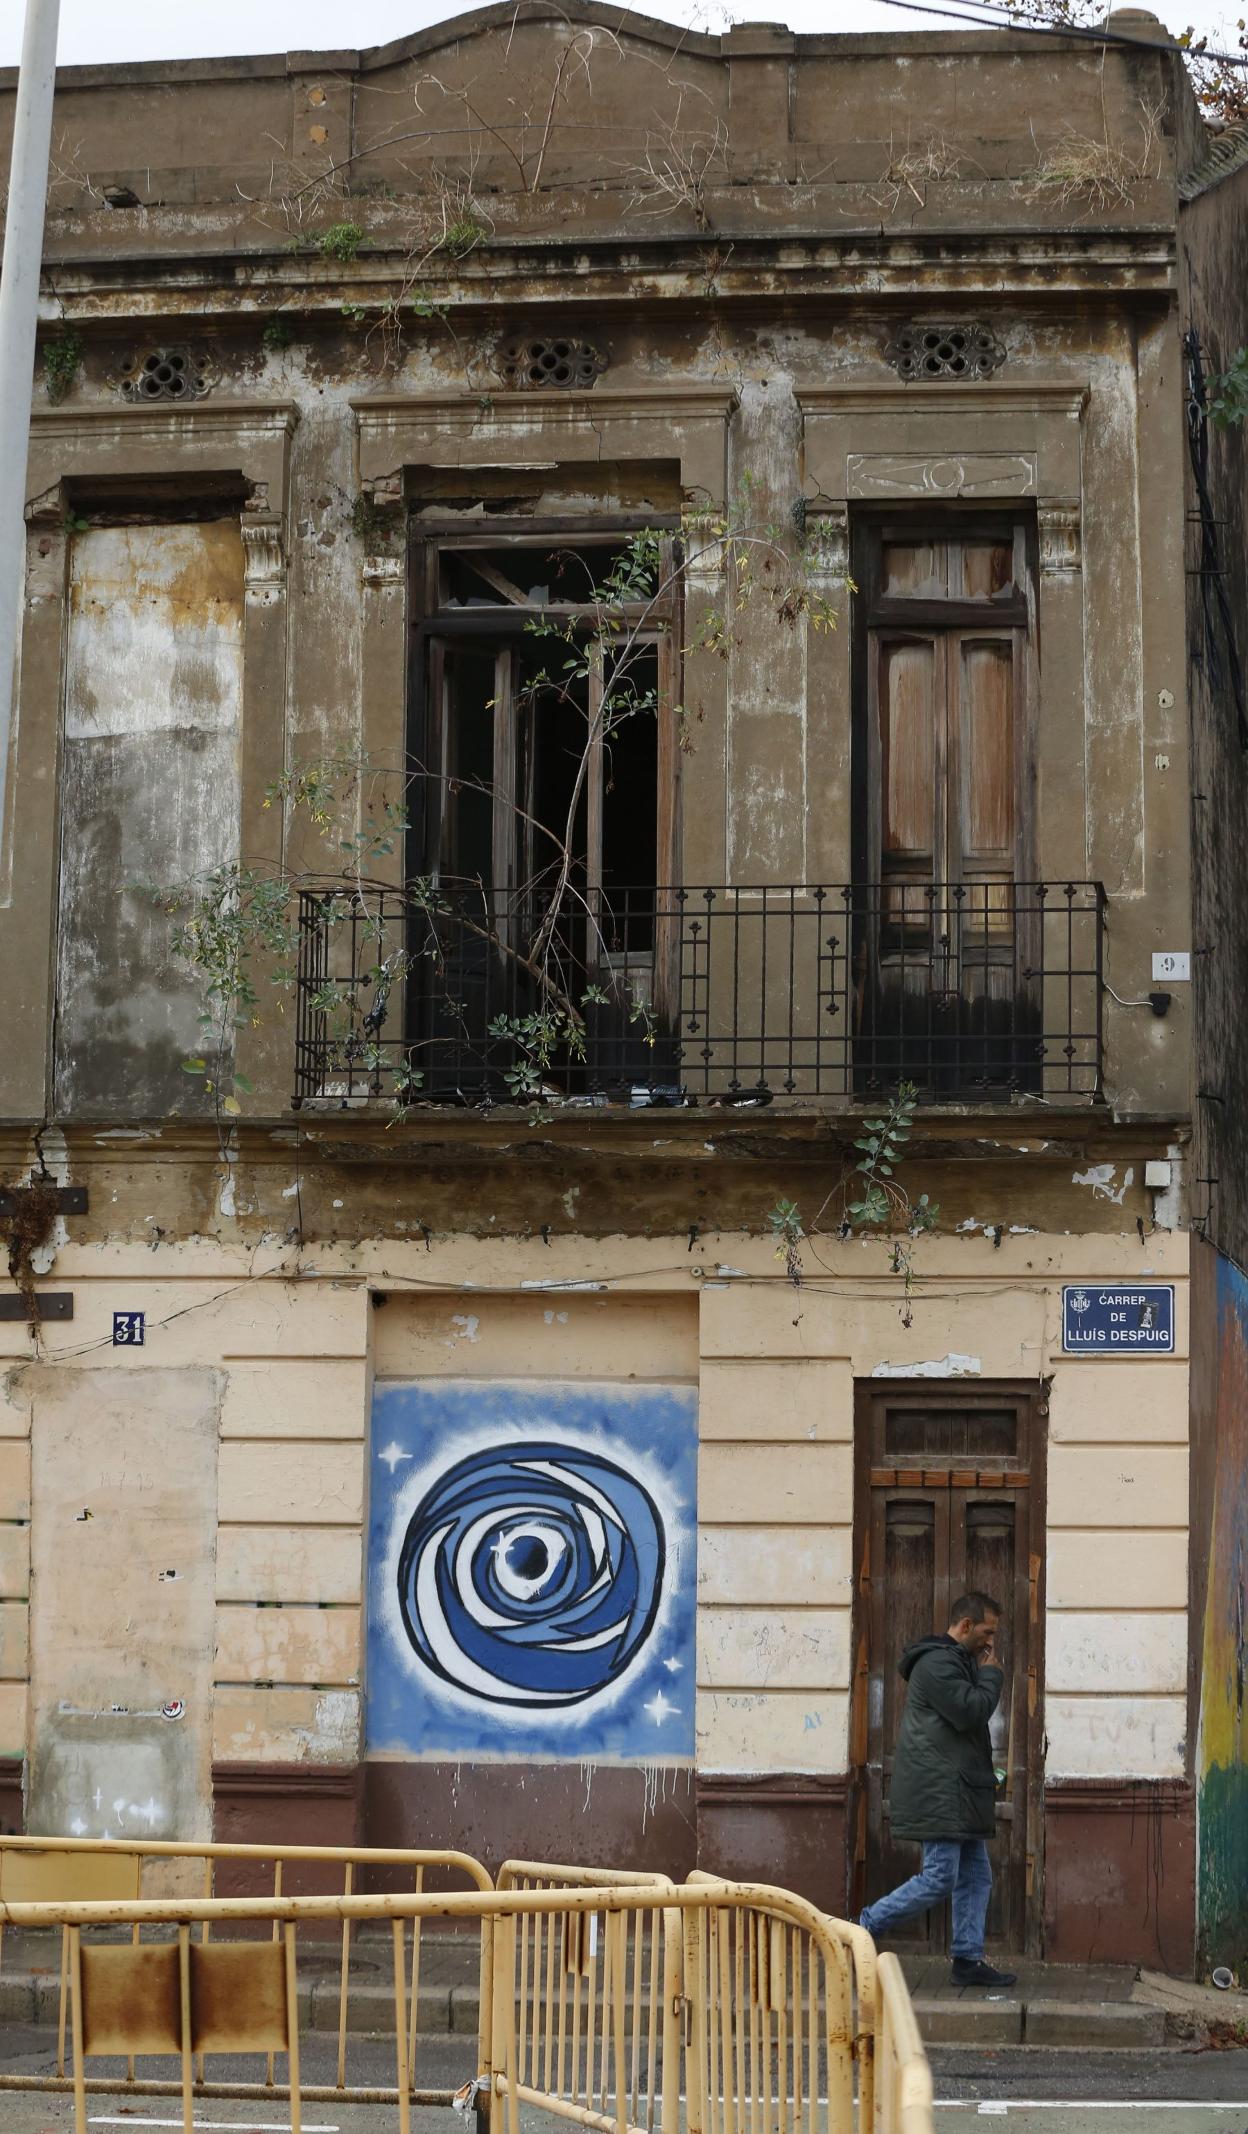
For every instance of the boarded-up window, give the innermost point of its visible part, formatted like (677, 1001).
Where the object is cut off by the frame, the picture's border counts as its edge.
(150, 794)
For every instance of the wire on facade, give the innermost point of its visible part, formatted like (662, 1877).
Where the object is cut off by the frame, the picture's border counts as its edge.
(1004, 18)
(1218, 622)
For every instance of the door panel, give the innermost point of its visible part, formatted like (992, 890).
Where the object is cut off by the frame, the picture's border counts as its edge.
(985, 750)
(907, 753)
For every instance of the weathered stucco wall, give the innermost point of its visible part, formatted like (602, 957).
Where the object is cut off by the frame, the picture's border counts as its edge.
(775, 1371)
(123, 1485)
(218, 591)
(150, 796)
(1080, 434)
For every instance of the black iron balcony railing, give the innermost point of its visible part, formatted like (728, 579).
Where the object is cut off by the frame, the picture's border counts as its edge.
(979, 992)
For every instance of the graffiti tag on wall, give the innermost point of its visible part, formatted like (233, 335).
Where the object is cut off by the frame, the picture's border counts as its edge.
(531, 1587)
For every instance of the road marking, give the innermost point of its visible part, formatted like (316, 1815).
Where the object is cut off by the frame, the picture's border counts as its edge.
(202, 2126)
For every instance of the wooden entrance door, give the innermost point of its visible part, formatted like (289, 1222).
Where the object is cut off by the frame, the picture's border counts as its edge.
(950, 1497)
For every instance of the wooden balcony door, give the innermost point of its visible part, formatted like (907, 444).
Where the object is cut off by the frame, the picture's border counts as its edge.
(947, 819)
(950, 1497)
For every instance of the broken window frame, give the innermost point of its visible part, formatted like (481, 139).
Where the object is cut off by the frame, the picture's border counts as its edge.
(435, 624)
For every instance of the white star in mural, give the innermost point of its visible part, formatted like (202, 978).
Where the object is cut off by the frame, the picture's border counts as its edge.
(673, 1666)
(659, 1708)
(392, 1454)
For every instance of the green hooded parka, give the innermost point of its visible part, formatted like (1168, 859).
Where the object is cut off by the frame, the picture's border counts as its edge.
(944, 1785)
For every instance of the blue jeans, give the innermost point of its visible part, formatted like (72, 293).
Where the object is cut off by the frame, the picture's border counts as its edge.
(952, 1867)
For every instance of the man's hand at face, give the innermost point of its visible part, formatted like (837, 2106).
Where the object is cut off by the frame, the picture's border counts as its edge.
(987, 1655)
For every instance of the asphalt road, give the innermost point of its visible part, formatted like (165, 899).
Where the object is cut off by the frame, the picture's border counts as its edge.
(1032, 2091)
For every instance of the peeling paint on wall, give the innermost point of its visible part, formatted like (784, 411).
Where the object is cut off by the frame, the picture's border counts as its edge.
(1101, 1176)
(150, 795)
(951, 1366)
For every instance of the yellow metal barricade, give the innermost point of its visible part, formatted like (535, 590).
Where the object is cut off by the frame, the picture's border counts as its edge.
(624, 2005)
(53, 1870)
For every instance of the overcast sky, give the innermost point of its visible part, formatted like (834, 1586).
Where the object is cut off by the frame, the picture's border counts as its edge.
(151, 29)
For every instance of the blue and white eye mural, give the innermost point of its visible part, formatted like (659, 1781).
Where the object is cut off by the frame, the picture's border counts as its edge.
(531, 1571)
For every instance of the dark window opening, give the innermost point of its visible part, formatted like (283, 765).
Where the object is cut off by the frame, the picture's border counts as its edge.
(544, 773)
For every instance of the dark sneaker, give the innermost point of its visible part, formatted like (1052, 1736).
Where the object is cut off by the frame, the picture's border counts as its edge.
(966, 1973)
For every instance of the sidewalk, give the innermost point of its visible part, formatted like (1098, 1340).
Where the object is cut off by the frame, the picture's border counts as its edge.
(1094, 2005)
(1100, 2005)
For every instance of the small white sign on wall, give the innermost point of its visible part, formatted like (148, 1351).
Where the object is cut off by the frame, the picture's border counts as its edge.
(1172, 963)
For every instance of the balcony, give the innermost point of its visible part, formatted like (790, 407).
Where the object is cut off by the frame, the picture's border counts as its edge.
(984, 993)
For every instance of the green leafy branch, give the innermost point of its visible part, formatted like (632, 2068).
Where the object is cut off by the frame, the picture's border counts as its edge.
(1227, 392)
(883, 1202)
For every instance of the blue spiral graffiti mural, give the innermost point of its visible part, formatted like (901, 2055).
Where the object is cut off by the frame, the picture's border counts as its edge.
(531, 1571)
(533, 1579)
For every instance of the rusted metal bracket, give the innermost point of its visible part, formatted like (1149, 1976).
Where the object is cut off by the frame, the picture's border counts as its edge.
(70, 1200)
(53, 1304)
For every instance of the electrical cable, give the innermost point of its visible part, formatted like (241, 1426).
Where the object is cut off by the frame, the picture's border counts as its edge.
(1006, 19)
(1224, 669)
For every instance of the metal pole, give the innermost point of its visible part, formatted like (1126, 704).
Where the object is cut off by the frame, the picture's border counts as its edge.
(19, 309)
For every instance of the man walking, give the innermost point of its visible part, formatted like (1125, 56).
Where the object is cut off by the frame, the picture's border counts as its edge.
(944, 1785)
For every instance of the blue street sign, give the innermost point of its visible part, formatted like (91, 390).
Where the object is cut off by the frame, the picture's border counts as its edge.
(1136, 1319)
(129, 1329)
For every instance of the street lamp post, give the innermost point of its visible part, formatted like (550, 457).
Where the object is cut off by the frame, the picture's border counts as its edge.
(19, 313)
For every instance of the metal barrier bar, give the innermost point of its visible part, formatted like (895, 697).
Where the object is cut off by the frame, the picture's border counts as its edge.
(904, 2104)
(211, 1850)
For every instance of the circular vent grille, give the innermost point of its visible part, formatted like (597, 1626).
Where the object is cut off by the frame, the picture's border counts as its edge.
(944, 352)
(545, 365)
(165, 374)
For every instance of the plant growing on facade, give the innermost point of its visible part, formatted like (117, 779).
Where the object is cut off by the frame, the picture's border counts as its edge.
(883, 1202)
(675, 169)
(341, 241)
(1228, 392)
(62, 360)
(369, 523)
(1097, 173)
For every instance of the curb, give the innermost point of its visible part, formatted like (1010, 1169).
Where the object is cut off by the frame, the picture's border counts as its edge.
(1116, 2025)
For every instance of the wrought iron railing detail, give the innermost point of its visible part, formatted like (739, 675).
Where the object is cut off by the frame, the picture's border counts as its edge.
(977, 993)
